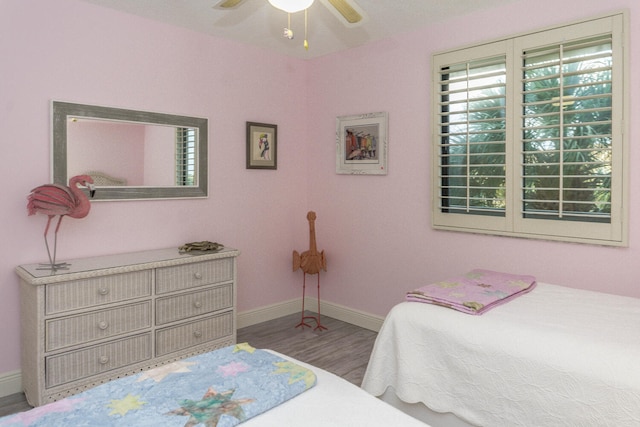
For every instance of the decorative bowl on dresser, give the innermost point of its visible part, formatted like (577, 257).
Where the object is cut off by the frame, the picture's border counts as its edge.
(111, 316)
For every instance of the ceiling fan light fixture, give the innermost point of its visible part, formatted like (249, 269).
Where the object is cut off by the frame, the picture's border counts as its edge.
(291, 6)
(345, 9)
(228, 4)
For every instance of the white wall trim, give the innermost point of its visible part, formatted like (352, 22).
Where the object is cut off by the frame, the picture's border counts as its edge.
(345, 314)
(337, 311)
(268, 312)
(10, 383)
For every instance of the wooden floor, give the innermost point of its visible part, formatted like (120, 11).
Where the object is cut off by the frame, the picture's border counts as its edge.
(343, 349)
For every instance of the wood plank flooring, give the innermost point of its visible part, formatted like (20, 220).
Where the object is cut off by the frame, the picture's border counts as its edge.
(343, 349)
(13, 404)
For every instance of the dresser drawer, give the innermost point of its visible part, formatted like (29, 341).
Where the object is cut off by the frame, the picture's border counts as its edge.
(76, 294)
(183, 306)
(187, 335)
(109, 316)
(187, 276)
(76, 365)
(72, 330)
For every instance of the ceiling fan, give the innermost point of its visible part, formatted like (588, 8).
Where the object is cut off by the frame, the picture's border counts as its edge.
(346, 10)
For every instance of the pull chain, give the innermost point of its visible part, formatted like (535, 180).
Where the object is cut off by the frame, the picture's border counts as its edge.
(288, 33)
(306, 43)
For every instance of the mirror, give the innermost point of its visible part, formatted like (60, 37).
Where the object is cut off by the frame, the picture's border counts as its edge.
(130, 154)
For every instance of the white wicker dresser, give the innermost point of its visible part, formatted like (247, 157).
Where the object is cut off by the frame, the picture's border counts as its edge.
(111, 316)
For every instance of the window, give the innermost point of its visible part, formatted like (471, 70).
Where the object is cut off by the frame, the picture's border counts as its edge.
(529, 135)
(185, 156)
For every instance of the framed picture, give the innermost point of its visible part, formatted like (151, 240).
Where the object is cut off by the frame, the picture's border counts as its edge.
(262, 146)
(361, 144)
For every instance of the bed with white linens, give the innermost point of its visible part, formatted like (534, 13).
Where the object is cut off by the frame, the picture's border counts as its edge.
(555, 356)
(233, 385)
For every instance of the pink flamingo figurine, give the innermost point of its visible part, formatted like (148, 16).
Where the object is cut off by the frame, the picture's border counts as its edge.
(59, 200)
(311, 262)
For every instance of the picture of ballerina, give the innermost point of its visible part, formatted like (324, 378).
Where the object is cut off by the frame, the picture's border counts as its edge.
(261, 145)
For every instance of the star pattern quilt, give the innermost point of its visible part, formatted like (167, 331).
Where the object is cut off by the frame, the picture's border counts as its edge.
(218, 389)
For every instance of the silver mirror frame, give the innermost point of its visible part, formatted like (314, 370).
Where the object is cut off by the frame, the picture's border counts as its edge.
(60, 113)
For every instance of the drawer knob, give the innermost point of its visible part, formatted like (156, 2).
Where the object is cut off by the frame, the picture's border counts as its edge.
(103, 325)
(103, 291)
(197, 334)
(197, 275)
(197, 304)
(104, 360)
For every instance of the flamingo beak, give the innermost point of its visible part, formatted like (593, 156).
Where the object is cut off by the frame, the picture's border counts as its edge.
(92, 190)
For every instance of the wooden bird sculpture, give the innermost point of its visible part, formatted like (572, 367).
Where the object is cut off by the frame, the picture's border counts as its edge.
(59, 200)
(310, 261)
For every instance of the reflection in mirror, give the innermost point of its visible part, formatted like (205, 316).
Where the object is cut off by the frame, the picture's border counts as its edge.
(130, 154)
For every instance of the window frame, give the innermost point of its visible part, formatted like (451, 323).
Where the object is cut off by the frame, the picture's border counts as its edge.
(185, 156)
(513, 223)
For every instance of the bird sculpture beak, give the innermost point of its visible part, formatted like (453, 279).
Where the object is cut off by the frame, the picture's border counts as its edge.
(92, 190)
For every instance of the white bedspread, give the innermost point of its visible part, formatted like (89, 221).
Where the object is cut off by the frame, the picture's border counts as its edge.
(554, 357)
(333, 402)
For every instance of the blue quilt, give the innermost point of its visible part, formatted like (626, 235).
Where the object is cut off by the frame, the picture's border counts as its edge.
(218, 389)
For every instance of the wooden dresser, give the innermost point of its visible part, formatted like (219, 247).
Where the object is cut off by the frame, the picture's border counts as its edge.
(112, 316)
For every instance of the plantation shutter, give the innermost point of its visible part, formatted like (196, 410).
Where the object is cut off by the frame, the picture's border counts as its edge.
(185, 156)
(567, 131)
(472, 138)
(529, 135)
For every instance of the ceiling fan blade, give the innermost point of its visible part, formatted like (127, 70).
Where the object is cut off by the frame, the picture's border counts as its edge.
(228, 4)
(346, 10)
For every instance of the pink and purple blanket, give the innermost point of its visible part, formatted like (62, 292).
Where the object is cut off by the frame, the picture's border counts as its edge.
(475, 292)
(221, 388)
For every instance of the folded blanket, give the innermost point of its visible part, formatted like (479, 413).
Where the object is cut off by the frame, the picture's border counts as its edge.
(475, 292)
(221, 388)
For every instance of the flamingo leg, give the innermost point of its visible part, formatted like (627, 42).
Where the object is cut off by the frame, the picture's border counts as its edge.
(319, 325)
(62, 265)
(46, 243)
(52, 260)
(302, 322)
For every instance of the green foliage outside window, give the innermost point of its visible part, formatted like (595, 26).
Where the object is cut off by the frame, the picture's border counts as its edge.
(565, 134)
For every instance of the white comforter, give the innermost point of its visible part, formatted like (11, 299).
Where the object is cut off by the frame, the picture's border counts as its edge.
(333, 402)
(554, 357)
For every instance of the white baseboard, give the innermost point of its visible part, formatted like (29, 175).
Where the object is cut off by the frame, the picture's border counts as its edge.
(337, 311)
(11, 382)
(346, 314)
(269, 312)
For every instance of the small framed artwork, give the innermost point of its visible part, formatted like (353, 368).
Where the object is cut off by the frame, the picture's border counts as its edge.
(361, 144)
(262, 146)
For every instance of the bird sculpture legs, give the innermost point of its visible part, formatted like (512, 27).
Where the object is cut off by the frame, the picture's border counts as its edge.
(52, 260)
(318, 324)
(302, 320)
(302, 323)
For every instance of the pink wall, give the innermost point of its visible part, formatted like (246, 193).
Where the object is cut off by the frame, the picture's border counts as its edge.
(375, 229)
(74, 51)
(116, 149)
(159, 155)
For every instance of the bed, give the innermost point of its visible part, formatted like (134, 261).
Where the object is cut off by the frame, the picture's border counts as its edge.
(236, 384)
(552, 357)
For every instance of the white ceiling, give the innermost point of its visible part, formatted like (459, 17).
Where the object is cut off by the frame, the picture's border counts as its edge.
(258, 23)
